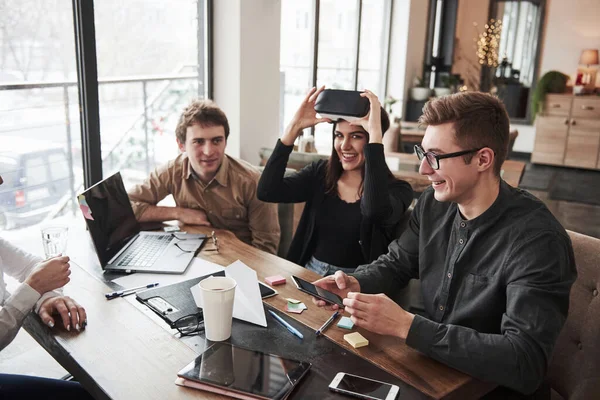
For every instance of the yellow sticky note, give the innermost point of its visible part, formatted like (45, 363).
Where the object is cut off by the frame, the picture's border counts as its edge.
(356, 340)
(293, 301)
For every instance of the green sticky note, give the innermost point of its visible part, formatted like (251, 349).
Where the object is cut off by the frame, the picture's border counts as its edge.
(345, 323)
(292, 306)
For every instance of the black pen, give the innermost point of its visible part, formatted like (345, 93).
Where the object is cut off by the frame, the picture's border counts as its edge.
(327, 323)
(125, 292)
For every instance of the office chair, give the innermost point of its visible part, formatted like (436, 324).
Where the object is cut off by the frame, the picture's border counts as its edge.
(285, 214)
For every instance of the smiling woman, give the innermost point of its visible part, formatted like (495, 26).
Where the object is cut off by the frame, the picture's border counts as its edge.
(353, 202)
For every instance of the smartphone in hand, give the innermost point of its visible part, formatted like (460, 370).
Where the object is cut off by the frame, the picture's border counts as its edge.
(317, 292)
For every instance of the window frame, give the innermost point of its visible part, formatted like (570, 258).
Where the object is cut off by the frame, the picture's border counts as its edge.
(388, 11)
(87, 74)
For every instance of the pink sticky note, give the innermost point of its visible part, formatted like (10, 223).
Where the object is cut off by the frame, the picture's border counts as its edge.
(85, 209)
(275, 280)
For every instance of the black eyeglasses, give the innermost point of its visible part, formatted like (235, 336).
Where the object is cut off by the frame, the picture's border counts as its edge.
(189, 324)
(179, 247)
(434, 159)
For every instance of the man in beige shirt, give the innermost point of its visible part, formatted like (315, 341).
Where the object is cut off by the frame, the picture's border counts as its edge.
(209, 187)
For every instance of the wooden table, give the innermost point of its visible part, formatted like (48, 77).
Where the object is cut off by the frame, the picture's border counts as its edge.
(406, 166)
(125, 354)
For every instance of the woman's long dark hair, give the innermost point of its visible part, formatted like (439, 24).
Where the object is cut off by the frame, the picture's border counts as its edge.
(334, 166)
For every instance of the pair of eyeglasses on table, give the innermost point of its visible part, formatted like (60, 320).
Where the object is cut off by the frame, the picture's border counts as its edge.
(215, 242)
(189, 325)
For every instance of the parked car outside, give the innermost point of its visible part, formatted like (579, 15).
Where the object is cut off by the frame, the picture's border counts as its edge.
(36, 177)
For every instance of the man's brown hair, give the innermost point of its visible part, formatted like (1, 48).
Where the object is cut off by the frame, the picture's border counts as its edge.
(479, 119)
(201, 112)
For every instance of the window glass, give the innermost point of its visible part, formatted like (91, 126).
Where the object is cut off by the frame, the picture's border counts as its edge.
(295, 55)
(36, 170)
(59, 169)
(148, 71)
(39, 115)
(371, 63)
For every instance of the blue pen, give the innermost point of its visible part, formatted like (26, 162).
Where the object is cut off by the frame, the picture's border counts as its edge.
(327, 323)
(125, 292)
(288, 326)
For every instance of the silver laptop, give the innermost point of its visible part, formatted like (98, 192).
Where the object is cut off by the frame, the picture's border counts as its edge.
(119, 242)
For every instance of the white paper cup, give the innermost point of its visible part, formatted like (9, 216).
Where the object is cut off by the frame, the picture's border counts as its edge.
(217, 305)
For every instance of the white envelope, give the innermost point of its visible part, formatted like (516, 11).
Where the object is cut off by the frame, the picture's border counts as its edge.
(247, 305)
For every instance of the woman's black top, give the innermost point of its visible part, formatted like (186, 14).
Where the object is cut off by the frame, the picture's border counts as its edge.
(338, 233)
(382, 205)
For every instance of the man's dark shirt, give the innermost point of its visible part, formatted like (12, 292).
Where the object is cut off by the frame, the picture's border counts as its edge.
(495, 288)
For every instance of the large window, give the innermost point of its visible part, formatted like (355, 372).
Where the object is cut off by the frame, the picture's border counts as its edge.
(148, 68)
(351, 51)
(40, 145)
(150, 58)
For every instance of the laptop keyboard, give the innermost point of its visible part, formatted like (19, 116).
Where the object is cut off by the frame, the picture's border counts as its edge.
(145, 250)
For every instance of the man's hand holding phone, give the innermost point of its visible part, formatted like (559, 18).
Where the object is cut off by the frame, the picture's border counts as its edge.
(340, 284)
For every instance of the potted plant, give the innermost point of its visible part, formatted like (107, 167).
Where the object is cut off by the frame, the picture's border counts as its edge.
(550, 82)
(388, 103)
(419, 92)
(448, 83)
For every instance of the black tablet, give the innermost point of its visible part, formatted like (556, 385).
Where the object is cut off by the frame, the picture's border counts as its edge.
(244, 371)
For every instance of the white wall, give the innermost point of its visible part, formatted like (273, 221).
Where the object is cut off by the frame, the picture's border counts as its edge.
(466, 62)
(246, 73)
(571, 26)
(407, 48)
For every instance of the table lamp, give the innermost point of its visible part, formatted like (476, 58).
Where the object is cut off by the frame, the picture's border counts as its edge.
(586, 76)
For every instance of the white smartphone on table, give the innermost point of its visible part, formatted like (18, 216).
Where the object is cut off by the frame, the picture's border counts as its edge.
(363, 388)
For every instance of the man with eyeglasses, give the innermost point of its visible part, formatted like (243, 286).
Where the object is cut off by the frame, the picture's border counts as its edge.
(495, 266)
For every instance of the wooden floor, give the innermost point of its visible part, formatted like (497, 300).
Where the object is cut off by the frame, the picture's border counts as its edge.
(24, 356)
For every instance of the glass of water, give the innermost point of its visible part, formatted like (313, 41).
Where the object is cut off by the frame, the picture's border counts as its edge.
(54, 239)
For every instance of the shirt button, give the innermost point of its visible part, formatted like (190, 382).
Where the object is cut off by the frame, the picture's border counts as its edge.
(449, 275)
(441, 308)
(595, 292)
(360, 242)
(210, 212)
(580, 346)
(461, 241)
(462, 224)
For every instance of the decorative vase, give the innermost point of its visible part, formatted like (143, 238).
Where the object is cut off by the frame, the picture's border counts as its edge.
(420, 93)
(442, 91)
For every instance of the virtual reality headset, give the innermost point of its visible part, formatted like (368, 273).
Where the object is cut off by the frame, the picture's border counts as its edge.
(342, 104)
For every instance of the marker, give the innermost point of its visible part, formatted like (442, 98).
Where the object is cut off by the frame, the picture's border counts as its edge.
(125, 292)
(288, 326)
(327, 323)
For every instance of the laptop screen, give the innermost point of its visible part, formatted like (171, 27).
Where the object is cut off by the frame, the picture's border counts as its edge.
(109, 216)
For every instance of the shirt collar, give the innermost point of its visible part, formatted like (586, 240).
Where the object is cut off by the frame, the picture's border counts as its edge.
(492, 212)
(220, 177)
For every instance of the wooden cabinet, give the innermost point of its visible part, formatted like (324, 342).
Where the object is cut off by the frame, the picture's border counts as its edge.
(568, 132)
